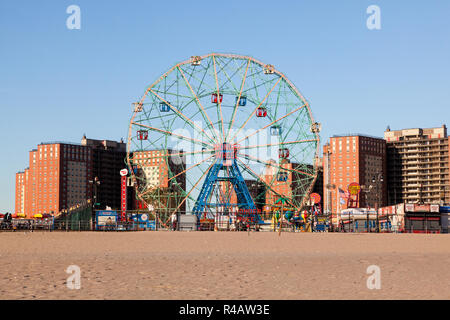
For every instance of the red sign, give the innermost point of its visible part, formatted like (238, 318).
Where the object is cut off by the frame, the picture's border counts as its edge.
(315, 198)
(421, 208)
(410, 207)
(123, 195)
(354, 188)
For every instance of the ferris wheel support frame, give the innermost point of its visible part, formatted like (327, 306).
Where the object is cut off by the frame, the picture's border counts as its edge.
(244, 200)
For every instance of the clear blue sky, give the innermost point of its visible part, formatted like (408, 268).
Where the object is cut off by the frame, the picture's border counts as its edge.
(56, 84)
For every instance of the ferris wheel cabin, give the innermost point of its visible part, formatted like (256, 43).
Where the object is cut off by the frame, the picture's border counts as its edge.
(283, 153)
(275, 130)
(261, 112)
(242, 101)
(164, 107)
(142, 135)
(215, 98)
(282, 176)
(269, 69)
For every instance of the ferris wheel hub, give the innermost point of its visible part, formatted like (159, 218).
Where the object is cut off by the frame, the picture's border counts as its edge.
(226, 153)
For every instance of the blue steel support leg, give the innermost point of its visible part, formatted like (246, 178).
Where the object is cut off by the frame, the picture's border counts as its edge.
(244, 199)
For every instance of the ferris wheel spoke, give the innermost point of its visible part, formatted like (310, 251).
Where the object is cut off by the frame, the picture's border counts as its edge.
(153, 142)
(264, 83)
(278, 144)
(219, 104)
(202, 81)
(255, 159)
(237, 102)
(182, 172)
(293, 125)
(191, 167)
(158, 81)
(176, 154)
(277, 102)
(199, 104)
(250, 171)
(177, 95)
(222, 69)
(168, 133)
(251, 115)
(183, 116)
(196, 184)
(270, 124)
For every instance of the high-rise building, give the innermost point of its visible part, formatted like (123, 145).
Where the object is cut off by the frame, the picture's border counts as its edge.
(56, 179)
(20, 192)
(354, 158)
(257, 191)
(418, 165)
(279, 182)
(108, 158)
(318, 185)
(61, 175)
(161, 178)
(286, 179)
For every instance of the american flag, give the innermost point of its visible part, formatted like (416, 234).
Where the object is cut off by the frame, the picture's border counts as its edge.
(343, 195)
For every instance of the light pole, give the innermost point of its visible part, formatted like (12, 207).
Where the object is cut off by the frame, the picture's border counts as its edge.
(327, 182)
(376, 180)
(94, 183)
(366, 191)
(329, 188)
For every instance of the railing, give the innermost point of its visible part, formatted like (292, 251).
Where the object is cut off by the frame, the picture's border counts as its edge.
(353, 224)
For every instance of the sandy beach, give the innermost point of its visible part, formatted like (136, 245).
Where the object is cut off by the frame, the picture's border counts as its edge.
(223, 265)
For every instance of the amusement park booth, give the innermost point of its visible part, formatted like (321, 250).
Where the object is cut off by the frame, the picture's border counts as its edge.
(422, 218)
(395, 217)
(358, 220)
(141, 222)
(106, 220)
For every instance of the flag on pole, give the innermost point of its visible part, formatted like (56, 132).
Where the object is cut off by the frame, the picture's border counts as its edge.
(343, 195)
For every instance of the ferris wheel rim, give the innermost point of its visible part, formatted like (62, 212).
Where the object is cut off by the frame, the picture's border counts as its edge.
(232, 56)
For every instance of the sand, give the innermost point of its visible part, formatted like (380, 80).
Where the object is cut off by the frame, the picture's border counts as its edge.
(223, 265)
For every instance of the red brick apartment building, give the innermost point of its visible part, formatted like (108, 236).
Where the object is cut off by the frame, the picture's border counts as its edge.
(20, 192)
(354, 158)
(160, 176)
(60, 176)
(57, 178)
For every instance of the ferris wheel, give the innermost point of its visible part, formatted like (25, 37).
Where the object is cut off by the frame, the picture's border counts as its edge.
(220, 133)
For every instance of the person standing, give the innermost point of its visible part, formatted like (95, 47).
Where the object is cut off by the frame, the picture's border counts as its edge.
(173, 219)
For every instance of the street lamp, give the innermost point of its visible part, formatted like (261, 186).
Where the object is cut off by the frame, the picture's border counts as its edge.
(366, 190)
(330, 187)
(95, 183)
(376, 180)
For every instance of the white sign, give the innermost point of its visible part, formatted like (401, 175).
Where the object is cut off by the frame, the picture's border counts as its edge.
(123, 172)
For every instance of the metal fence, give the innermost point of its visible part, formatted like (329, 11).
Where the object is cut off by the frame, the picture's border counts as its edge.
(84, 221)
